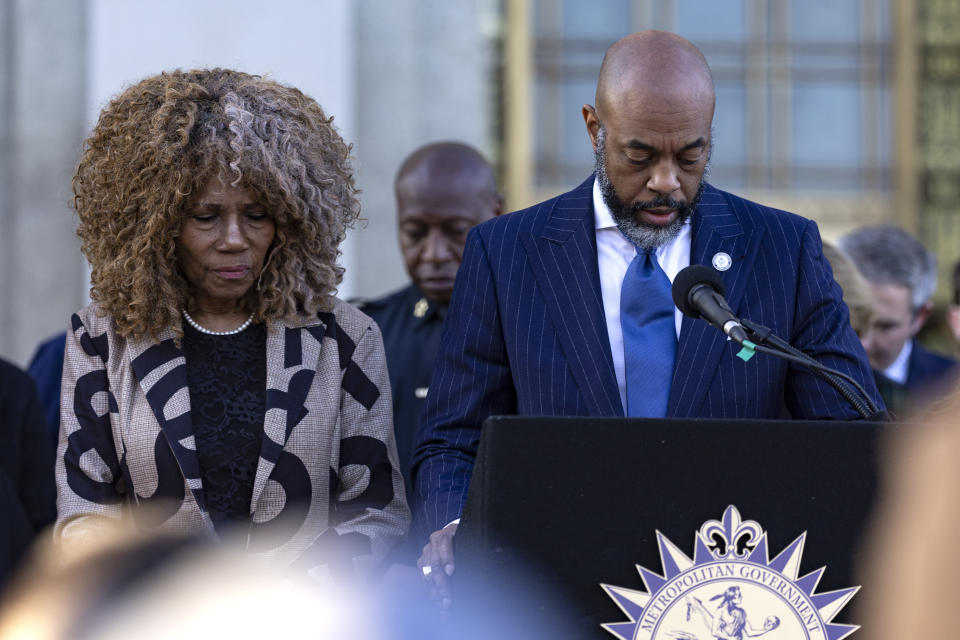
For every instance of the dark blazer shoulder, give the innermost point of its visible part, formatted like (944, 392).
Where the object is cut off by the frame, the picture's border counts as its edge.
(926, 364)
(716, 202)
(537, 217)
(377, 305)
(49, 354)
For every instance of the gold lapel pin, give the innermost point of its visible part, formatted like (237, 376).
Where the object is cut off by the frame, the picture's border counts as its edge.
(420, 309)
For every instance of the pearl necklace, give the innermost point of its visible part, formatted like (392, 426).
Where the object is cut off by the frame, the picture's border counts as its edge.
(193, 323)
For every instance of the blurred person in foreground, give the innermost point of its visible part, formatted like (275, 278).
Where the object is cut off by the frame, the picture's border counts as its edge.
(163, 584)
(565, 308)
(912, 559)
(156, 585)
(443, 190)
(902, 276)
(215, 377)
(953, 310)
(27, 494)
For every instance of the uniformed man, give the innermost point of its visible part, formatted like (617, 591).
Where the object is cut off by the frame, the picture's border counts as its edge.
(442, 191)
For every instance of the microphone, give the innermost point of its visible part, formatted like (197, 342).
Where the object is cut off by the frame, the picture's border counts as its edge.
(698, 293)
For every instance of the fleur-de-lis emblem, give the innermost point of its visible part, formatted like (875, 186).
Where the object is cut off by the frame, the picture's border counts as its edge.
(730, 531)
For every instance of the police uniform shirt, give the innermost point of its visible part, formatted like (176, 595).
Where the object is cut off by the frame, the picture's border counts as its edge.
(411, 327)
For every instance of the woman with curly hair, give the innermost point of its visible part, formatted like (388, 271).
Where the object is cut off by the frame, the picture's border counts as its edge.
(215, 384)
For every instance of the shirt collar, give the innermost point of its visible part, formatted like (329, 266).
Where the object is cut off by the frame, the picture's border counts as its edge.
(602, 218)
(899, 368)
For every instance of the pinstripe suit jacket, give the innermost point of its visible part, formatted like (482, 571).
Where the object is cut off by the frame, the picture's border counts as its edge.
(327, 490)
(525, 333)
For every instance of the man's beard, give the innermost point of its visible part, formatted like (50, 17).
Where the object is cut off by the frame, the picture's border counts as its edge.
(643, 234)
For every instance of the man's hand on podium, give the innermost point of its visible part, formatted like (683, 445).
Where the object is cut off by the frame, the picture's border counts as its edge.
(436, 563)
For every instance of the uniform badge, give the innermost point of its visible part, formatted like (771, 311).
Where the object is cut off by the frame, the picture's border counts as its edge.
(730, 589)
(420, 309)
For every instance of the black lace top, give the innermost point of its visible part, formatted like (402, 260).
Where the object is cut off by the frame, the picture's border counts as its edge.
(227, 376)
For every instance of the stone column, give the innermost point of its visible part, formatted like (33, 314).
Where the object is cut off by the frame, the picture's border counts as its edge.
(42, 57)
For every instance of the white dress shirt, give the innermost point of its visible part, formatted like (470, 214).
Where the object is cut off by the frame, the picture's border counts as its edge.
(614, 255)
(897, 371)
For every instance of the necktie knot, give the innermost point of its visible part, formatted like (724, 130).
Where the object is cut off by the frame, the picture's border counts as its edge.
(649, 260)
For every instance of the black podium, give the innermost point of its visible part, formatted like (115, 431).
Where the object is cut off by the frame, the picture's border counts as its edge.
(577, 502)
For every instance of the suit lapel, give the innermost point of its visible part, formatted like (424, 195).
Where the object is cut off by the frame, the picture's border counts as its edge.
(161, 371)
(563, 258)
(292, 357)
(716, 228)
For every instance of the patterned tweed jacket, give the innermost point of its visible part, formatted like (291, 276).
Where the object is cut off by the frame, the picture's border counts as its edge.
(327, 489)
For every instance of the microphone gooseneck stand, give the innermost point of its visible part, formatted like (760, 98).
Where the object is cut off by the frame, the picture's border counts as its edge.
(763, 340)
(698, 293)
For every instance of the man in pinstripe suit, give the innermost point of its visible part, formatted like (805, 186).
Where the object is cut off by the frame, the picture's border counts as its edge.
(534, 323)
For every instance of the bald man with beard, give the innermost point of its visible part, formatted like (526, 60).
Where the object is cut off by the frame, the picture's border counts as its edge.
(543, 320)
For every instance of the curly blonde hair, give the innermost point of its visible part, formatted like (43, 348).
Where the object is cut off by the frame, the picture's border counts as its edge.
(155, 147)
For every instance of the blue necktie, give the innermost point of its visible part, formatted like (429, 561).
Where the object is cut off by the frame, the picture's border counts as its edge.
(649, 336)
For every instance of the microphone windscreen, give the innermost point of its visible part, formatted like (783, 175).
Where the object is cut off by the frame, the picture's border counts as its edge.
(687, 279)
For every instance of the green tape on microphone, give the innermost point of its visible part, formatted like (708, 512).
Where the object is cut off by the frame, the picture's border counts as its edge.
(748, 351)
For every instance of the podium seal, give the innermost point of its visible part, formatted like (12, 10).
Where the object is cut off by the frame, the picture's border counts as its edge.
(731, 589)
